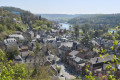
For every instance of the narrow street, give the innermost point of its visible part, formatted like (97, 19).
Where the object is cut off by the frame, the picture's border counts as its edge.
(64, 71)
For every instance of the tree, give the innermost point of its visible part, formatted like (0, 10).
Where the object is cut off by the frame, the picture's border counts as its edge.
(9, 71)
(78, 78)
(70, 27)
(58, 69)
(96, 34)
(12, 52)
(1, 28)
(13, 71)
(38, 48)
(85, 27)
(2, 56)
(86, 41)
(40, 17)
(76, 30)
(115, 60)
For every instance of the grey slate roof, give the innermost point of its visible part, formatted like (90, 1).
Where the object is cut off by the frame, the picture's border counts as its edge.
(67, 44)
(73, 53)
(78, 60)
(100, 59)
(105, 66)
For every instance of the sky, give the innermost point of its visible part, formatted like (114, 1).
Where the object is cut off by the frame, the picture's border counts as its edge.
(65, 6)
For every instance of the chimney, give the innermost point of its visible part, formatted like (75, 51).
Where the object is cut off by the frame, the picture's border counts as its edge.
(97, 60)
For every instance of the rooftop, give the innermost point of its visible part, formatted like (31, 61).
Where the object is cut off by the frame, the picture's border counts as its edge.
(16, 36)
(73, 53)
(67, 44)
(9, 40)
(100, 59)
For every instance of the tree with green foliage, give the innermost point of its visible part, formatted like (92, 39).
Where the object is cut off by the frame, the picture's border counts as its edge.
(85, 27)
(58, 69)
(2, 55)
(12, 52)
(86, 41)
(37, 50)
(9, 71)
(76, 30)
(115, 60)
(40, 17)
(13, 72)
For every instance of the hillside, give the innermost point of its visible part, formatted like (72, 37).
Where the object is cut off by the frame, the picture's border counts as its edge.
(111, 20)
(59, 17)
(10, 22)
(15, 19)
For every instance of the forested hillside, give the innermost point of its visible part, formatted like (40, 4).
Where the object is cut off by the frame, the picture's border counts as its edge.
(15, 19)
(10, 22)
(59, 17)
(110, 20)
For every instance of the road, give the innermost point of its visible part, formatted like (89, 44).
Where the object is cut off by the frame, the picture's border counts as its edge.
(64, 71)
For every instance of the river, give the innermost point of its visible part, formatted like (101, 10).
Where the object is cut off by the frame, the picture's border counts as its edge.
(65, 26)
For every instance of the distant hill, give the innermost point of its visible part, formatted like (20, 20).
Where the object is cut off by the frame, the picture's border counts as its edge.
(59, 17)
(111, 20)
(13, 9)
